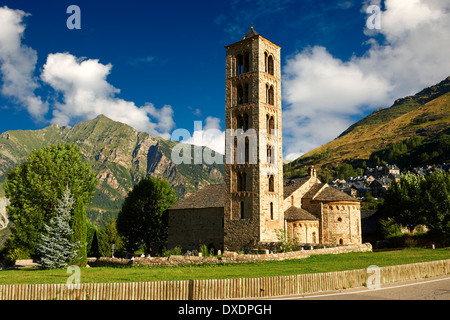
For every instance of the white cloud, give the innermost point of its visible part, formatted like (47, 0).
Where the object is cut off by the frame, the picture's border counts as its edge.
(209, 135)
(17, 64)
(86, 94)
(81, 83)
(322, 92)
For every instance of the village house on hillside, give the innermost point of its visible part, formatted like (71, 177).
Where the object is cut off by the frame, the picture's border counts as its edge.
(377, 180)
(255, 203)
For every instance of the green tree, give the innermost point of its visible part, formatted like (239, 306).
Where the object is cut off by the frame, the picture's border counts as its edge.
(143, 217)
(56, 247)
(35, 186)
(417, 200)
(94, 250)
(402, 201)
(435, 202)
(345, 170)
(79, 235)
(108, 236)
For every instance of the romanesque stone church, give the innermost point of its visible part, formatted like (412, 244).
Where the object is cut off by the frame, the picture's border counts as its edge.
(255, 204)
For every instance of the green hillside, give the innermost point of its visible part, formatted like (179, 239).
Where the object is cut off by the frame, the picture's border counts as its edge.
(413, 131)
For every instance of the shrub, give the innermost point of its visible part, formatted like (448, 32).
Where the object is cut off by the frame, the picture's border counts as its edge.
(204, 250)
(176, 251)
(15, 254)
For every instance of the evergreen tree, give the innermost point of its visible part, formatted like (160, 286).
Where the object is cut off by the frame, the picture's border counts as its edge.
(79, 228)
(94, 251)
(55, 247)
(108, 236)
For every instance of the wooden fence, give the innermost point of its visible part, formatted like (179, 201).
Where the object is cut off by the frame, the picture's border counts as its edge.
(223, 288)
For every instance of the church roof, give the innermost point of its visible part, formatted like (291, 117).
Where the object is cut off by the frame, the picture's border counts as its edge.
(250, 34)
(211, 196)
(331, 194)
(290, 185)
(295, 213)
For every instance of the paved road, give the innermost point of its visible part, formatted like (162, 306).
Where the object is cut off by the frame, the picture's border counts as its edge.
(437, 288)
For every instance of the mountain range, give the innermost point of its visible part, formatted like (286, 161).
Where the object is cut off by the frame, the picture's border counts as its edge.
(120, 155)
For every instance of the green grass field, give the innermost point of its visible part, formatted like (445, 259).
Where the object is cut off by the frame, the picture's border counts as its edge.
(313, 264)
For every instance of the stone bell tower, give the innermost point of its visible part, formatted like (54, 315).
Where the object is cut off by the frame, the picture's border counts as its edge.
(253, 210)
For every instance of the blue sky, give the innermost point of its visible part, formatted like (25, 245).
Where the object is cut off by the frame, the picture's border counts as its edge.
(160, 65)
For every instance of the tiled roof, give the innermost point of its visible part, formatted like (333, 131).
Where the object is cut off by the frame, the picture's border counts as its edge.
(312, 192)
(290, 185)
(212, 196)
(295, 213)
(331, 194)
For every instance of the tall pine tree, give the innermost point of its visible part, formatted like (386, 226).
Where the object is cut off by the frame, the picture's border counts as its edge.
(56, 248)
(79, 228)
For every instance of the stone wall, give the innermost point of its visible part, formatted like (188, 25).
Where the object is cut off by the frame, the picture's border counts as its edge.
(190, 228)
(303, 231)
(342, 222)
(227, 257)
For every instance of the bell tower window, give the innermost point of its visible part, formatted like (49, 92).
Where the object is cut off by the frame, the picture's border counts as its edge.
(270, 65)
(242, 93)
(269, 95)
(271, 183)
(242, 63)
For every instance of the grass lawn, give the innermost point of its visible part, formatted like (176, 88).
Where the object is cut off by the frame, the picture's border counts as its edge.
(313, 264)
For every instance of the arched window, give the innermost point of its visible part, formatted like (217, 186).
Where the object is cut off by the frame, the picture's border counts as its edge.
(271, 211)
(242, 63)
(270, 68)
(247, 150)
(271, 127)
(245, 120)
(269, 154)
(247, 62)
(270, 96)
(292, 200)
(240, 94)
(241, 181)
(239, 64)
(246, 93)
(266, 62)
(235, 157)
(242, 210)
(271, 183)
